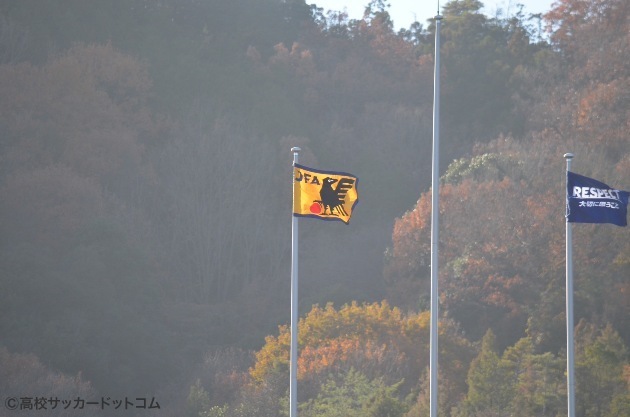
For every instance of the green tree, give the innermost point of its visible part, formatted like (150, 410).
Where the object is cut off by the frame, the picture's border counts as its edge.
(353, 394)
(198, 401)
(489, 387)
(620, 406)
(600, 360)
(537, 378)
(480, 55)
(518, 383)
(384, 404)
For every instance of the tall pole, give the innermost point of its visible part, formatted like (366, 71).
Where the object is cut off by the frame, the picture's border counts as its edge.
(294, 303)
(435, 193)
(569, 302)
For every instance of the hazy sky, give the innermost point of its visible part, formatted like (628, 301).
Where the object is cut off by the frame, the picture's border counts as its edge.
(404, 12)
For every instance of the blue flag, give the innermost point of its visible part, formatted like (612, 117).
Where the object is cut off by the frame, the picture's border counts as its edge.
(591, 201)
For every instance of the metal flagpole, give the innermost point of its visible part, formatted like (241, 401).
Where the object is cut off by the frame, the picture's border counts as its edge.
(569, 312)
(435, 193)
(294, 304)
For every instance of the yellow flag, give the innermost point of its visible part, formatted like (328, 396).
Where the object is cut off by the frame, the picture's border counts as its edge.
(325, 195)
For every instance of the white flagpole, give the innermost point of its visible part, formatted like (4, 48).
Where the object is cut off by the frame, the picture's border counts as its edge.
(569, 312)
(435, 193)
(294, 302)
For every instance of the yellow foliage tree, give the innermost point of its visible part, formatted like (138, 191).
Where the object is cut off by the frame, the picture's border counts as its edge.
(375, 339)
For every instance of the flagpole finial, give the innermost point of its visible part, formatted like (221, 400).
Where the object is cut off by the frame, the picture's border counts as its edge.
(568, 156)
(295, 149)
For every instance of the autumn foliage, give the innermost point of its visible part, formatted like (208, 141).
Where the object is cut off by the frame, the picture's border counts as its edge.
(375, 340)
(367, 336)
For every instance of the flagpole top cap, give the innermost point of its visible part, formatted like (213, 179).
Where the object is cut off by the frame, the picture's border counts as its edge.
(295, 149)
(568, 156)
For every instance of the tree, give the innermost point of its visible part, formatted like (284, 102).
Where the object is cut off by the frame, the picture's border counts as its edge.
(517, 383)
(591, 37)
(198, 401)
(479, 58)
(354, 395)
(219, 205)
(24, 376)
(374, 340)
(538, 380)
(601, 357)
(485, 286)
(489, 387)
(506, 261)
(73, 237)
(85, 108)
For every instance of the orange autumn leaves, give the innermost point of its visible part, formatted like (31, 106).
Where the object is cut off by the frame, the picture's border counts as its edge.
(346, 353)
(502, 243)
(367, 337)
(498, 236)
(374, 340)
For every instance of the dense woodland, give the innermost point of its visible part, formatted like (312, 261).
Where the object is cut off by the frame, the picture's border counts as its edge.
(145, 198)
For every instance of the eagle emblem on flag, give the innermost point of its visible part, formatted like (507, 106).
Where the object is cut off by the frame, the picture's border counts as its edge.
(326, 195)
